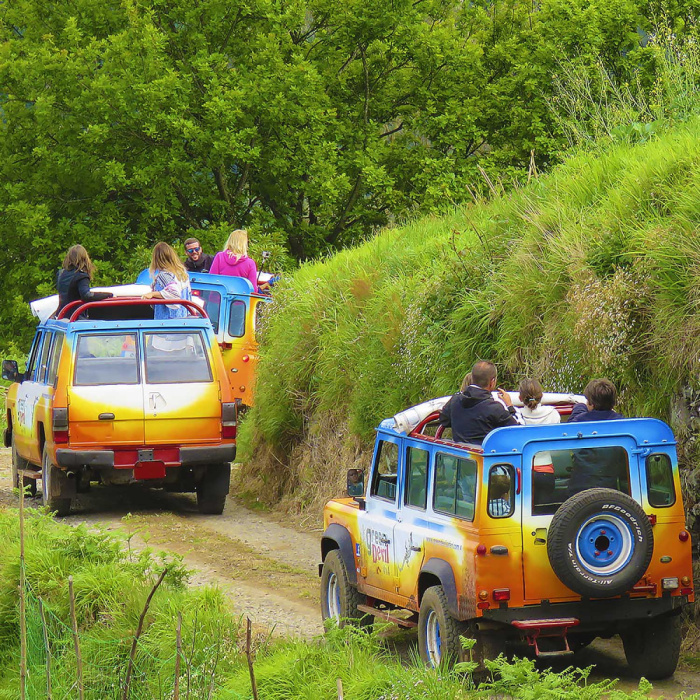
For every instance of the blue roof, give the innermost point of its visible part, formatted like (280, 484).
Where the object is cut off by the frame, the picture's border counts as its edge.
(644, 431)
(199, 280)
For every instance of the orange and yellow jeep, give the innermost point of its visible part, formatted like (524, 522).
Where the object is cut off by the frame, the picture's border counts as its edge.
(111, 395)
(491, 542)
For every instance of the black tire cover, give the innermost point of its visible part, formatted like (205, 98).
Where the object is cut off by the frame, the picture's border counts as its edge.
(600, 543)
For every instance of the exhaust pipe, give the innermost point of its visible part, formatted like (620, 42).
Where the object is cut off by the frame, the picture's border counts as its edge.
(71, 475)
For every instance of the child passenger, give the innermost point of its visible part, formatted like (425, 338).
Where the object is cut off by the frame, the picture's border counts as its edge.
(532, 413)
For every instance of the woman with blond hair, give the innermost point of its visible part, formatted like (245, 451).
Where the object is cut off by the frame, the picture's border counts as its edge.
(74, 278)
(170, 281)
(233, 259)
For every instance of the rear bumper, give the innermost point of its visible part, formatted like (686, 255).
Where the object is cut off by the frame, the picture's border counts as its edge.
(593, 614)
(104, 459)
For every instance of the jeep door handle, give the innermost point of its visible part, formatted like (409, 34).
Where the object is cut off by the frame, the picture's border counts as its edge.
(106, 416)
(416, 549)
(384, 540)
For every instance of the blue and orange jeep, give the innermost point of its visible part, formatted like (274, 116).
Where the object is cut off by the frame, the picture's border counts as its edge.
(233, 309)
(111, 395)
(491, 542)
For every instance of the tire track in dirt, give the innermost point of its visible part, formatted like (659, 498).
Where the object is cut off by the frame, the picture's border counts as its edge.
(267, 570)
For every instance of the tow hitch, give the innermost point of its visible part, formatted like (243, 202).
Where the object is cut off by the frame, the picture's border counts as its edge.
(556, 629)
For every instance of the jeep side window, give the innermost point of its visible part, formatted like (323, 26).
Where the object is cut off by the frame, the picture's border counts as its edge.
(501, 496)
(386, 469)
(455, 486)
(55, 358)
(559, 474)
(33, 354)
(106, 359)
(43, 365)
(660, 489)
(416, 477)
(236, 319)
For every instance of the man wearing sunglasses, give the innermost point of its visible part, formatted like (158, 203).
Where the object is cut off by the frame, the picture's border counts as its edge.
(197, 261)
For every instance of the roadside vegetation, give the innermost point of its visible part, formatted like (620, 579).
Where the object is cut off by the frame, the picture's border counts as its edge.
(111, 584)
(590, 270)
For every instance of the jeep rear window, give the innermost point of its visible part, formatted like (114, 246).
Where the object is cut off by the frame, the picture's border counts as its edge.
(559, 474)
(386, 468)
(212, 305)
(660, 488)
(176, 358)
(106, 359)
(455, 486)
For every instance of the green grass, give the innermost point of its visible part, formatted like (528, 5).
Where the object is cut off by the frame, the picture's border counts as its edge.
(111, 585)
(589, 271)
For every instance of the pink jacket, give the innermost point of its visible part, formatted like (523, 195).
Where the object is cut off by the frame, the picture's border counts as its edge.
(227, 263)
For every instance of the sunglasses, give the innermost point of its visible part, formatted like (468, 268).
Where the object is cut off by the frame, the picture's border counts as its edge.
(189, 251)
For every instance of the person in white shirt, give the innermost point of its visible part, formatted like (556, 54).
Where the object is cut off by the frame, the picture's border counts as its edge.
(532, 413)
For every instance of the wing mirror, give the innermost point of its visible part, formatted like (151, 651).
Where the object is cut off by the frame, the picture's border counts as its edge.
(10, 371)
(356, 482)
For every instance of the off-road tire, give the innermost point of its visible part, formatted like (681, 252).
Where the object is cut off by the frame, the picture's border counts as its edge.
(439, 645)
(213, 489)
(619, 524)
(50, 472)
(652, 647)
(18, 464)
(336, 582)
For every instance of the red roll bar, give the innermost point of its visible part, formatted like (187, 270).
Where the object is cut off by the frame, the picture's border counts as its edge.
(75, 308)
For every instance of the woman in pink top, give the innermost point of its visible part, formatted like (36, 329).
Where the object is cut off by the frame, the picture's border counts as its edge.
(233, 259)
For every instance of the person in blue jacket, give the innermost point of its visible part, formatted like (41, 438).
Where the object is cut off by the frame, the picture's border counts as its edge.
(594, 467)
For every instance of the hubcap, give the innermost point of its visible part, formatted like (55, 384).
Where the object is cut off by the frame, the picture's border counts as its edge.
(604, 544)
(333, 597)
(432, 639)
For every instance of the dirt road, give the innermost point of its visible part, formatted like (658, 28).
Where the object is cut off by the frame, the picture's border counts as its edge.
(268, 569)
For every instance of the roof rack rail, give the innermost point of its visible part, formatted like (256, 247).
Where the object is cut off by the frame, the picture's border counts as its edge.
(75, 308)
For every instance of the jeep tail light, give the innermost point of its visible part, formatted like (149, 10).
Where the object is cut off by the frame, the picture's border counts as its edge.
(483, 605)
(669, 584)
(59, 425)
(685, 581)
(481, 549)
(229, 417)
(683, 535)
(245, 358)
(501, 594)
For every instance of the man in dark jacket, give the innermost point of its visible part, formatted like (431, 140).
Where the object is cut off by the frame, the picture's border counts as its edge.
(473, 413)
(594, 467)
(197, 261)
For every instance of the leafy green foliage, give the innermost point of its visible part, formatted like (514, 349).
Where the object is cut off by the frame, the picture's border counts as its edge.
(310, 122)
(111, 585)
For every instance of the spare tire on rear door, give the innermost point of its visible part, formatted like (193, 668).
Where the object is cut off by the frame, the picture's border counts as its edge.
(600, 543)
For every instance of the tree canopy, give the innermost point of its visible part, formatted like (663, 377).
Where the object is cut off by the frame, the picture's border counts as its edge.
(309, 122)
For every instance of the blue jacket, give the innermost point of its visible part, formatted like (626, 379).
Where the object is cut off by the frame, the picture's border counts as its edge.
(581, 413)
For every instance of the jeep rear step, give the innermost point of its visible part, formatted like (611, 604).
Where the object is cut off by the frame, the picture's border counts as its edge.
(553, 628)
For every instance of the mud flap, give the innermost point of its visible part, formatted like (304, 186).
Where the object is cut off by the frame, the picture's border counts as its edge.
(60, 486)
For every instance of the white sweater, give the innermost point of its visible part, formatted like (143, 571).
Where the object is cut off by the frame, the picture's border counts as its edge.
(542, 415)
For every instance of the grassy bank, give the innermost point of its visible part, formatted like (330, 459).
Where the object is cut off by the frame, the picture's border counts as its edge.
(111, 586)
(592, 270)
